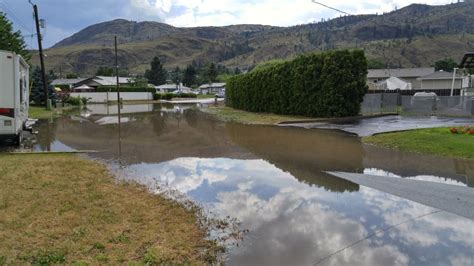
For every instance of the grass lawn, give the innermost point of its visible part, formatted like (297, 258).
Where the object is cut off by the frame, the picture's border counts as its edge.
(62, 209)
(39, 112)
(205, 96)
(436, 141)
(233, 115)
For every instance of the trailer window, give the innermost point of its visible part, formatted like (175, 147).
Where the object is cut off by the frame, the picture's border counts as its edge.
(21, 91)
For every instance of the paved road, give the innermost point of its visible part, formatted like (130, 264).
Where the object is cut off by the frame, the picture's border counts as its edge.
(454, 199)
(371, 126)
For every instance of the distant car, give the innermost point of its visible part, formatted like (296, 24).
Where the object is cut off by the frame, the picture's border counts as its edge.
(221, 94)
(425, 99)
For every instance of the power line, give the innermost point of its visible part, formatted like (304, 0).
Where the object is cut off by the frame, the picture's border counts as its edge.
(374, 234)
(13, 17)
(333, 8)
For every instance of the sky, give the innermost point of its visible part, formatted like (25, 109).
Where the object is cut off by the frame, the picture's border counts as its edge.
(66, 17)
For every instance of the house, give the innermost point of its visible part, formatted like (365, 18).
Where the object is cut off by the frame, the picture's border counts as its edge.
(173, 88)
(98, 81)
(213, 88)
(409, 75)
(66, 83)
(443, 80)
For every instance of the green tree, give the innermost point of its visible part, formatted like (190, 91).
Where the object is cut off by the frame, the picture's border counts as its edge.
(72, 76)
(10, 40)
(446, 64)
(176, 75)
(157, 74)
(210, 73)
(375, 64)
(51, 76)
(37, 90)
(189, 77)
(105, 71)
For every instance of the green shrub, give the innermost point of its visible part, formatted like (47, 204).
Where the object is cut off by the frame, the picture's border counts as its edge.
(76, 101)
(330, 84)
(167, 96)
(156, 96)
(186, 95)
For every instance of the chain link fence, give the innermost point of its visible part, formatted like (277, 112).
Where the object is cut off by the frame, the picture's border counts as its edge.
(385, 103)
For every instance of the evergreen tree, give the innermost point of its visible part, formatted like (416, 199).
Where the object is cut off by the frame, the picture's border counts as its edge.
(51, 76)
(37, 91)
(10, 40)
(157, 74)
(210, 73)
(105, 71)
(72, 76)
(445, 65)
(189, 77)
(176, 75)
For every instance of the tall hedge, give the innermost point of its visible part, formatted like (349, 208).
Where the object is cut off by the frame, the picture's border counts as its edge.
(330, 84)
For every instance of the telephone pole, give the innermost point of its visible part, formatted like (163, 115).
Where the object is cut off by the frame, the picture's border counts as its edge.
(40, 48)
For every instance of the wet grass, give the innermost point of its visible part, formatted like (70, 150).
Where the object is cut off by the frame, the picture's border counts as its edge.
(228, 114)
(39, 112)
(435, 141)
(62, 209)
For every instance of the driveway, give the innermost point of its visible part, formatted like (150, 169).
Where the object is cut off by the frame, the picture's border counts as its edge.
(371, 126)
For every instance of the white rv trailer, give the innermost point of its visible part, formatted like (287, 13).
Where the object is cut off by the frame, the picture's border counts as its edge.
(14, 96)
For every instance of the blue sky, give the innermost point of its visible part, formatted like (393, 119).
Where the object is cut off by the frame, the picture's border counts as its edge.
(65, 17)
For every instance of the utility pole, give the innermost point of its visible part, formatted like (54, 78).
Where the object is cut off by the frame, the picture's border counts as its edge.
(119, 102)
(40, 48)
(454, 80)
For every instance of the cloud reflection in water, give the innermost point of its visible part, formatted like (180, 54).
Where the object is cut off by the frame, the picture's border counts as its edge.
(293, 223)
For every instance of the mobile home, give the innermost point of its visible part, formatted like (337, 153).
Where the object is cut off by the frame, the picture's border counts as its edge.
(14, 96)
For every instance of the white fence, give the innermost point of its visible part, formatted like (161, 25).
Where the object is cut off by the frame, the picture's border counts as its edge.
(417, 105)
(104, 97)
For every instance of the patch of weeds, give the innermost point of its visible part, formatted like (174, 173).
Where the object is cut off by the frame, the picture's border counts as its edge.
(65, 207)
(79, 232)
(48, 257)
(3, 260)
(107, 216)
(150, 258)
(3, 203)
(98, 246)
(102, 258)
(80, 263)
(122, 238)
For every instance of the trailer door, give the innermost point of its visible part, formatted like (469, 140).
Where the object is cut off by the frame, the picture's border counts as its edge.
(7, 93)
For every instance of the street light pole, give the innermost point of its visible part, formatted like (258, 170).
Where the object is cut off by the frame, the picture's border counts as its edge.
(454, 79)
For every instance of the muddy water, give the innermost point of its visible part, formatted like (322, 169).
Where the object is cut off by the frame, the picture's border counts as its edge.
(272, 180)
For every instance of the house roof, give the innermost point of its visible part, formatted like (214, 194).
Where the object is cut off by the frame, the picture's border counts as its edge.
(171, 87)
(400, 72)
(440, 75)
(58, 82)
(108, 81)
(212, 85)
(467, 60)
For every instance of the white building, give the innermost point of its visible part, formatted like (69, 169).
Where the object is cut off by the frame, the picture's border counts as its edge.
(443, 80)
(213, 88)
(173, 88)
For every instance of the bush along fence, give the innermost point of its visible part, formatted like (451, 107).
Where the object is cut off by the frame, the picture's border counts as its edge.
(125, 89)
(330, 84)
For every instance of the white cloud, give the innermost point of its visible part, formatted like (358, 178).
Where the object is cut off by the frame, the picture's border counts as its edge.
(269, 12)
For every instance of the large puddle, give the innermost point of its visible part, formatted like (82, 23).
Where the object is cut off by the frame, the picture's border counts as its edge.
(272, 180)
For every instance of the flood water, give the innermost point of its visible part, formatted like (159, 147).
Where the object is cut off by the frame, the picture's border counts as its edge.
(272, 180)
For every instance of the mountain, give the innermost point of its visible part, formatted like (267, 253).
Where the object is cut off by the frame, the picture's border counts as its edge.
(417, 35)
